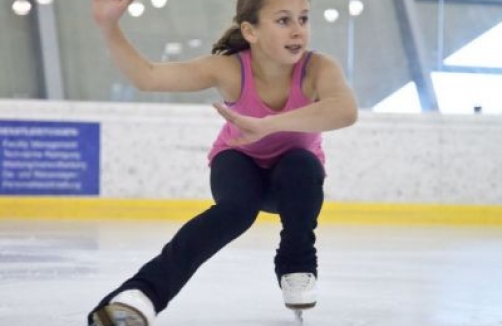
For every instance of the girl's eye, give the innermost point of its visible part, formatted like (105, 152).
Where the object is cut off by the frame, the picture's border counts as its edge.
(286, 20)
(283, 21)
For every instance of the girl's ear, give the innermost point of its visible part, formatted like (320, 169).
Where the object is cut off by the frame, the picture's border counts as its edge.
(249, 32)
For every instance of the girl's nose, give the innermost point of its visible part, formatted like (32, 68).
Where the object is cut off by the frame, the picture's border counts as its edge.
(296, 30)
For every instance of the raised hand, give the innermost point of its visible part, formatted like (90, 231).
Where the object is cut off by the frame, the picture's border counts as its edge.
(252, 129)
(107, 13)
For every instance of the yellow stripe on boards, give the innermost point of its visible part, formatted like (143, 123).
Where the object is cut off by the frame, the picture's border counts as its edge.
(70, 208)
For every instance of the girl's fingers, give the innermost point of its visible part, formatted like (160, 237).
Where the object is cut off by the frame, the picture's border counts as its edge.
(229, 115)
(241, 123)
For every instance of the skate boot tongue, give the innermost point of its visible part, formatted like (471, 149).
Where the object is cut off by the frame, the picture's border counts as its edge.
(299, 290)
(298, 281)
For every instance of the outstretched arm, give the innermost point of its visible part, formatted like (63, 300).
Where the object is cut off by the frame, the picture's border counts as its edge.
(336, 108)
(192, 75)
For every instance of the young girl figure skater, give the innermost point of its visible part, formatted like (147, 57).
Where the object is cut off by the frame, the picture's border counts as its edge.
(278, 98)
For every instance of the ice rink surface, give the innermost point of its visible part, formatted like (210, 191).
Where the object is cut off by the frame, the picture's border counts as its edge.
(53, 272)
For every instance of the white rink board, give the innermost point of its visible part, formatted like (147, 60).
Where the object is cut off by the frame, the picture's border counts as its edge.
(159, 151)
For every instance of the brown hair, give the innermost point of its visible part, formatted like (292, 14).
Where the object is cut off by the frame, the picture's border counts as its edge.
(232, 40)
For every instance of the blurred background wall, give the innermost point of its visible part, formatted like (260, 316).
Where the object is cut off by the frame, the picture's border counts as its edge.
(427, 74)
(399, 55)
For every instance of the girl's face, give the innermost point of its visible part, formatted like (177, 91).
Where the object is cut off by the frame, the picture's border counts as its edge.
(283, 31)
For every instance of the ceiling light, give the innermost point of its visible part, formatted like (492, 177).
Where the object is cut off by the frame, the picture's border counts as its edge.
(136, 8)
(44, 2)
(195, 43)
(21, 7)
(356, 7)
(173, 48)
(159, 3)
(331, 15)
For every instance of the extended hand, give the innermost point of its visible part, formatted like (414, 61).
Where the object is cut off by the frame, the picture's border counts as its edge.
(108, 12)
(252, 129)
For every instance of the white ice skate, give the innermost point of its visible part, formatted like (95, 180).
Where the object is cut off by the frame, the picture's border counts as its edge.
(128, 308)
(299, 292)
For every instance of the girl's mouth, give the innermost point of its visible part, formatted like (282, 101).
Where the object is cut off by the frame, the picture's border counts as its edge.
(294, 48)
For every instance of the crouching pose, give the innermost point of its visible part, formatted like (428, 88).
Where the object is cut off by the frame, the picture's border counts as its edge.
(277, 99)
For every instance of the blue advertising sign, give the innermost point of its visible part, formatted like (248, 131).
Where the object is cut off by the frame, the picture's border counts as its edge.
(49, 158)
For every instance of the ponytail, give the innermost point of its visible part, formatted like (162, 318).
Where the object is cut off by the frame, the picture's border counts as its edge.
(231, 42)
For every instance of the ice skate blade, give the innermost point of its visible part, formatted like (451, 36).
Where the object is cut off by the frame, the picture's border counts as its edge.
(303, 306)
(299, 316)
(117, 314)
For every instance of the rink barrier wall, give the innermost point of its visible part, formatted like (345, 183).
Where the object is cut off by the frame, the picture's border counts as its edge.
(182, 210)
(159, 151)
(388, 168)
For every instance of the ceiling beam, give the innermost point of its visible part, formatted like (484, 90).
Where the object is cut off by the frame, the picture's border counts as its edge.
(50, 51)
(414, 48)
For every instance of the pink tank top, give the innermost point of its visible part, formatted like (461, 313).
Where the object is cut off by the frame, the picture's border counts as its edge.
(267, 150)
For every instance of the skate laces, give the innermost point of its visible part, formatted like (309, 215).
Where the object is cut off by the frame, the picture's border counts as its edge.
(298, 281)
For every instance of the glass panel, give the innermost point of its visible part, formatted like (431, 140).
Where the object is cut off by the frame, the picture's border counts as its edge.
(19, 60)
(367, 45)
(181, 30)
(399, 55)
(186, 29)
(472, 59)
(472, 27)
(467, 93)
(484, 51)
(461, 55)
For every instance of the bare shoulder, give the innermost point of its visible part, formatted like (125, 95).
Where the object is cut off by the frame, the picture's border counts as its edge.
(226, 71)
(322, 64)
(225, 66)
(322, 71)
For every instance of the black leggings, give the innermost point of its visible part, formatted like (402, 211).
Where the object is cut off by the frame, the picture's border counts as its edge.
(292, 188)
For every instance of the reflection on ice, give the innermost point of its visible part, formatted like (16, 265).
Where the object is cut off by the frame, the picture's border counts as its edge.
(52, 273)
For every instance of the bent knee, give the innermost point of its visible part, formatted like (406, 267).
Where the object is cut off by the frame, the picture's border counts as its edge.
(300, 163)
(239, 215)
